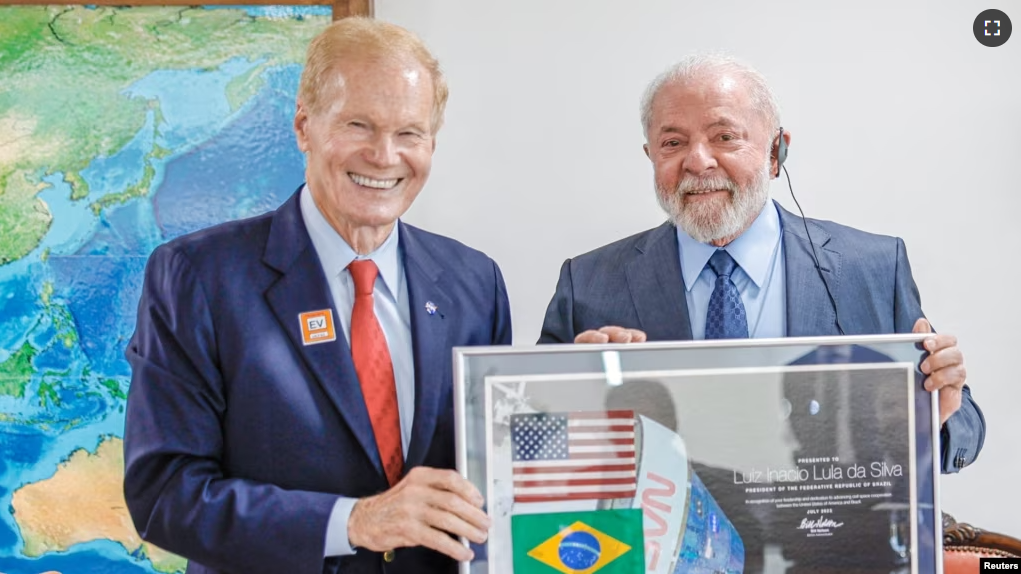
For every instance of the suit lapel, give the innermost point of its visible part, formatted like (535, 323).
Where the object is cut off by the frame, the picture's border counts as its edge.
(809, 311)
(302, 287)
(657, 287)
(430, 339)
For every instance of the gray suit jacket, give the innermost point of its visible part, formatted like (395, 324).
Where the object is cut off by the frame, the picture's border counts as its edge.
(636, 283)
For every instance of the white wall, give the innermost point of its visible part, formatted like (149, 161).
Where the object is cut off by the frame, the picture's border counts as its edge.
(902, 124)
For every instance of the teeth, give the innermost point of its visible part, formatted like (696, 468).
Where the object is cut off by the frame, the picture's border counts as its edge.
(373, 183)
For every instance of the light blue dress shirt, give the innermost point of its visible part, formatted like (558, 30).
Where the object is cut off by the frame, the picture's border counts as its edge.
(390, 303)
(760, 277)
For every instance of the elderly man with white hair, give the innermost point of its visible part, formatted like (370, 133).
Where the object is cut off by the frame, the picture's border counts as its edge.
(291, 406)
(729, 263)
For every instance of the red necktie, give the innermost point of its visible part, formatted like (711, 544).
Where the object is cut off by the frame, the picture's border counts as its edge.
(375, 370)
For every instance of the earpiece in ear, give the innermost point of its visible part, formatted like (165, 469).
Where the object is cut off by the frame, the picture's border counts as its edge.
(781, 152)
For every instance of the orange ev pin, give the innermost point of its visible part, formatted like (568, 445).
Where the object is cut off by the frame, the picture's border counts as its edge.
(317, 327)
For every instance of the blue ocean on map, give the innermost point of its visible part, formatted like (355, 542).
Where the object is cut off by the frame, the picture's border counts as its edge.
(285, 12)
(74, 298)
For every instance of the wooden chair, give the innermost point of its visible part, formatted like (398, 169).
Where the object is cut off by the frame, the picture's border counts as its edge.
(964, 544)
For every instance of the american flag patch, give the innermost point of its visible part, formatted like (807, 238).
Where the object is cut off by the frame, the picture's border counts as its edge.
(573, 456)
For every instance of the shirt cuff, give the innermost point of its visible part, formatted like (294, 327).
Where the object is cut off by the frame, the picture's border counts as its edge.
(337, 543)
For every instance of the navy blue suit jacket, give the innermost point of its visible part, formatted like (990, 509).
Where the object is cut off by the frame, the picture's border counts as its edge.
(636, 283)
(239, 437)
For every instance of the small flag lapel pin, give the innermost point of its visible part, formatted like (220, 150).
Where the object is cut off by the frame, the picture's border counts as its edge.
(430, 307)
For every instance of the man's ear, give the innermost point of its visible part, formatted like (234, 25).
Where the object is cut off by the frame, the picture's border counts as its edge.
(774, 152)
(300, 123)
(646, 148)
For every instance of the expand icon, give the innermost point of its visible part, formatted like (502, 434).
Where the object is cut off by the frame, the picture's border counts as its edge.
(992, 28)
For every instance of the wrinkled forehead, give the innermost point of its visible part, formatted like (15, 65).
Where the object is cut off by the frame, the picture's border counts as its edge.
(402, 89)
(705, 100)
(377, 69)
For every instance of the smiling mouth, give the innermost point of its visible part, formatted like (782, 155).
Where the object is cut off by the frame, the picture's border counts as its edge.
(366, 181)
(702, 191)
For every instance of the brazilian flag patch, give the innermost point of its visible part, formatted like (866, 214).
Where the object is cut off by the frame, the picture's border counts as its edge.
(603, 541)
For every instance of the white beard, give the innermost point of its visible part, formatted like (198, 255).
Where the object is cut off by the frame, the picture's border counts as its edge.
(722, 217)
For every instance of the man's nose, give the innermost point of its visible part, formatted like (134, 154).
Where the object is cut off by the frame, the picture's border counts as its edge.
(699, 159)
(382, 152)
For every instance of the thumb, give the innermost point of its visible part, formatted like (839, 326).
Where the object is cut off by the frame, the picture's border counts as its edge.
(922, 326)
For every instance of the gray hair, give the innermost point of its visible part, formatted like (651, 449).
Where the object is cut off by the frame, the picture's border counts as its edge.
(700, 65)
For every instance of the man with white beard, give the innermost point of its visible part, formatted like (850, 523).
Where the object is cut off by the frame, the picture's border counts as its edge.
(732, 264)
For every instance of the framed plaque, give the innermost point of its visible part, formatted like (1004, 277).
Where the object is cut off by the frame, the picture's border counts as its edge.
(755, 456)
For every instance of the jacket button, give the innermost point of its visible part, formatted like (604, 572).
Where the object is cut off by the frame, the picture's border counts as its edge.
(388, 556)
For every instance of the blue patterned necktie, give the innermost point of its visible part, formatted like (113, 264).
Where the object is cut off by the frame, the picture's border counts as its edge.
(726, 317)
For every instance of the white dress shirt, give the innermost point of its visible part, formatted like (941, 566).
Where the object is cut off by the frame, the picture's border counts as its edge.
(390, 304)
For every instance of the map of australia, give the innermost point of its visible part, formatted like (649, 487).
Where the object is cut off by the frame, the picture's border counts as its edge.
(120, 128)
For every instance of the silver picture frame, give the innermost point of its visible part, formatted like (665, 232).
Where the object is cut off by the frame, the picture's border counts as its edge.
(814, 454)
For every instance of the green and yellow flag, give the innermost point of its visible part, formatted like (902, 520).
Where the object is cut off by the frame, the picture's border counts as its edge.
(603, 541)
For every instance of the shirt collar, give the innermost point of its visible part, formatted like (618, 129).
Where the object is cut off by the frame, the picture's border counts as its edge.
(752, 250)
(335, 254)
